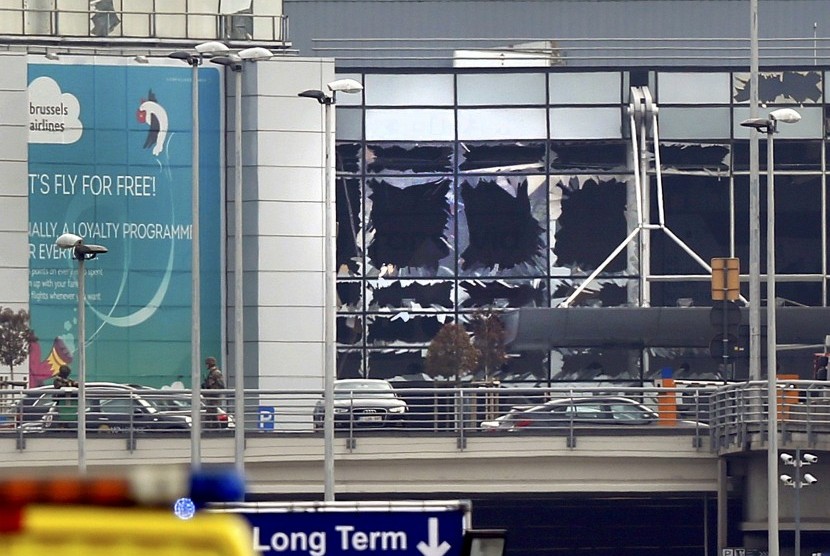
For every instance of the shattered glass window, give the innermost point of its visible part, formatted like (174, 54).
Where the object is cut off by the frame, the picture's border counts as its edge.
(502, 226)
(789, 155)
(349, 329)
(402, 328)
(590, 223)
(495, 157)
(347, 157)
(414, 295)
(349, 256)
(502, 294)
(408, 158)
(410, 227)
(686, 156)
(782, 87)
(592, 156)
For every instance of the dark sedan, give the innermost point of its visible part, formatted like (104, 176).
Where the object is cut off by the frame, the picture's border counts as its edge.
(364, 403)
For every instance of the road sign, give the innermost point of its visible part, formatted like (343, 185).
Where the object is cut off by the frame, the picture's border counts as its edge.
(336, 530)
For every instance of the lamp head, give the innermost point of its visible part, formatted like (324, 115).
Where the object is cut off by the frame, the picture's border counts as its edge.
(232, 61)
(761, 124)
(786, 115)
(211, 47)
(345, 86)
(316, 94)
(69, 241)
(256, 54)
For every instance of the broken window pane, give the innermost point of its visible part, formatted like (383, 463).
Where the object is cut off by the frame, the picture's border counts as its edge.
(349, 329)
(793, 155)
(349, 364)
(398, 364)
(409, 232)
(597, 156)
(502, 293)
(349, 296)
(409, 294)
(694, 156)
(401, 328)
(590, 224)
(408, 159)
(601, 292)
(347, 158)
(501, 157)
(598, 364)
(788, 87)
(349, 253)
(502, 226)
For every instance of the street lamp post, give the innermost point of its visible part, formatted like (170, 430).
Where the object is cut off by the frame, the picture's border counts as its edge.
(330, 270)
(194, 60)
(81, 252)
(236, 63)
(800, 480)
(770, 127)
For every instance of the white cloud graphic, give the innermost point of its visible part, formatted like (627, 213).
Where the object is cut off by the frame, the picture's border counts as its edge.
(54, 117)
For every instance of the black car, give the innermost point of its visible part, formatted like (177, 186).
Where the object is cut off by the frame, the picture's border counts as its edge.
(110, 407)
(590, 411)
(363, 403)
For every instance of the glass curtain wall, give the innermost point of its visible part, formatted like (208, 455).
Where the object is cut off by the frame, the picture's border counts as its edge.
(490, 190)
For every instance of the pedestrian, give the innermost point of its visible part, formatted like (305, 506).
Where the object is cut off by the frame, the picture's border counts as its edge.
(821, 368)
(214, 380)
(66, 403)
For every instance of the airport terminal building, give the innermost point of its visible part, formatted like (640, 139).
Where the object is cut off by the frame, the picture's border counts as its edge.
(476, 171)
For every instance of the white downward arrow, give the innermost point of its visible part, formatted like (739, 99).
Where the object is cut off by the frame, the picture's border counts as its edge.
(433, 548)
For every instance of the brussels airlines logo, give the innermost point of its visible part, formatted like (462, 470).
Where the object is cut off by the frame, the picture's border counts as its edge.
(154, 115)
(54, 116)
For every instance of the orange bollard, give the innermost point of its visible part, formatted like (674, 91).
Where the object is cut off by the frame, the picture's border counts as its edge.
(666, 401)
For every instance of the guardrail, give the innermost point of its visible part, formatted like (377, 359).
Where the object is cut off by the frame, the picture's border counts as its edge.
(740, 413)
(158, 20)
(137, 413)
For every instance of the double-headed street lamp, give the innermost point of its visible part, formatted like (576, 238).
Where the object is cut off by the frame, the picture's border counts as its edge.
(81, 252)
(236, 63)
(194, 60)
(769, 126)
(330, 271)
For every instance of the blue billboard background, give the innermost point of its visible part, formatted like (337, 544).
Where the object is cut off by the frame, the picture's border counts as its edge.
(110, 160)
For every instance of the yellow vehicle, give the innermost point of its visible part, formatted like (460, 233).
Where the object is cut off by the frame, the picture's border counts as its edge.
(94, 517)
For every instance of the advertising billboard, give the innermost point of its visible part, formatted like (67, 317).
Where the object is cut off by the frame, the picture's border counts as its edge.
(110, 160)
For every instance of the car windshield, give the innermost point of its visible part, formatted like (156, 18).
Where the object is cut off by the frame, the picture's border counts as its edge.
(361, 389)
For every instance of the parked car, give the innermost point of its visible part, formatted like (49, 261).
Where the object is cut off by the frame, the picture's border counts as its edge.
(363, 403)
(110, 407)
(590, 411)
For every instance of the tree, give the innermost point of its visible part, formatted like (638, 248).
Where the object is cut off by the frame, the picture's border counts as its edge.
(488, 339)
(451, 353)
(14, 338)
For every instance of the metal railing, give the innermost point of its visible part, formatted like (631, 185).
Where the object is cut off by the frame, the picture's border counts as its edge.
(739, 413)
(153, 24)
(140, 413)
